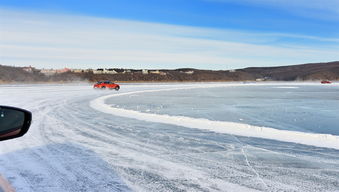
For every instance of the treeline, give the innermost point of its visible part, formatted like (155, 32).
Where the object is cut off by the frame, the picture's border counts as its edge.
(304, 72)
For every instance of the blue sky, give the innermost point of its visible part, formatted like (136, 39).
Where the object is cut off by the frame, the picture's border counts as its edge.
(208, 34)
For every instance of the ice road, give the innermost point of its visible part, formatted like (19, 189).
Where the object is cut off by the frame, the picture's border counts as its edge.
(98, 140)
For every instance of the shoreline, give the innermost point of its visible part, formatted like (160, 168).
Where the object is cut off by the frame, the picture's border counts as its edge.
(152, 82)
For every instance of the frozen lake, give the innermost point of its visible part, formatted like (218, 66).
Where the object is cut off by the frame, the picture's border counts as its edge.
(306, 108)
(78, 142)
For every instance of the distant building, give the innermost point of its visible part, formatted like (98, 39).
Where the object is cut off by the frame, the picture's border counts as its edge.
(98, 71)
(144, 71)
(119, 70)
(54, 71)
(28, 69)
(110, 71)
(48, 72)
(154, 71)
(262, 79)
(189, 72)
(104, 71)
(78, 70)
(64, 70)
(81, 70)
(157, 72)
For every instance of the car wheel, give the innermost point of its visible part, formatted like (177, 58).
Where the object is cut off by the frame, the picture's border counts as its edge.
(117, 88)
(103, 87)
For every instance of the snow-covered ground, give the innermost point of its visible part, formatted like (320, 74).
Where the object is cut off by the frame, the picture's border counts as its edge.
(174, 137)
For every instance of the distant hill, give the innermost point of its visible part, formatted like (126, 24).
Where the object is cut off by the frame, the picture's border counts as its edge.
(9, 74)
(303, 72)
(313, 71)
(17, 74)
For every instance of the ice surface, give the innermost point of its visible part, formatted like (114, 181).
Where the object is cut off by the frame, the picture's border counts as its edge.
(240, 129)
(306, 108)
(72, 147)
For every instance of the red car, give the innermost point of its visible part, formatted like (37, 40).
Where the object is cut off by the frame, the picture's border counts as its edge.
(326, 82)
(106, 84)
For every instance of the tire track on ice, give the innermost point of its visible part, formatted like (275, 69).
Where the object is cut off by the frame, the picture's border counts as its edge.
(48, 145)
(145, 158)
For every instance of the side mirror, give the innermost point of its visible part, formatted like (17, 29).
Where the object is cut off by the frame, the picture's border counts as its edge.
(14, 122)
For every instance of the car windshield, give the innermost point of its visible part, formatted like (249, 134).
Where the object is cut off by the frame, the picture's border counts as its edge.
(170, 95)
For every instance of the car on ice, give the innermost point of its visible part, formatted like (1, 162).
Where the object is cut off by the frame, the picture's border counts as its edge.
(106, 84)
(326, 82)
